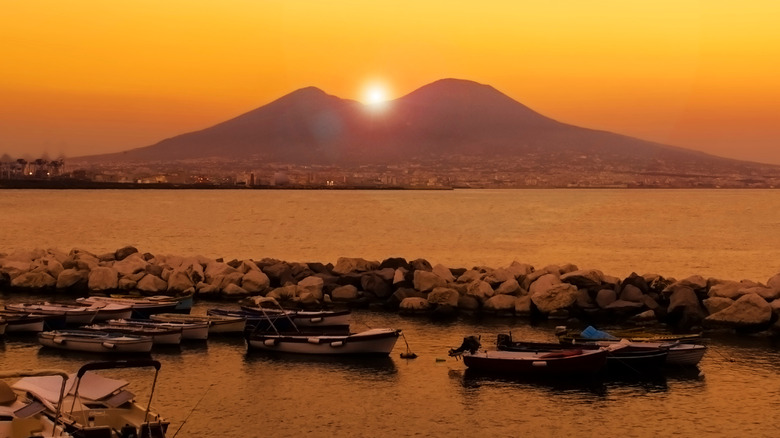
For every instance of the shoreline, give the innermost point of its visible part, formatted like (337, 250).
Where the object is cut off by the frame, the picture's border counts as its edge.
(414, 287)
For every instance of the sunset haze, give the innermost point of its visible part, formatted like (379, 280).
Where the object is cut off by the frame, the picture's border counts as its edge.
(92, 77)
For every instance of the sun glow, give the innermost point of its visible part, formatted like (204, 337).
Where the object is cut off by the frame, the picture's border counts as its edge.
(375, 95)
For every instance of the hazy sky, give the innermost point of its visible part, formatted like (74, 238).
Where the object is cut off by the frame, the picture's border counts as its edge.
(92, 76)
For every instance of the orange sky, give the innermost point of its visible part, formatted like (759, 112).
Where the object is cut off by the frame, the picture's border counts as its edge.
(80, 77)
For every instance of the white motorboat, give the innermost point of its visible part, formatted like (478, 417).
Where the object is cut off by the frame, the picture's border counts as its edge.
(95, 341)
(98, 406)
(73, 314)
(217, 323)
(22, 415)
(370, 342)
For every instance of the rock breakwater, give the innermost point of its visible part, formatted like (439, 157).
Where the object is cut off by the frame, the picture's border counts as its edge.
(411, 287)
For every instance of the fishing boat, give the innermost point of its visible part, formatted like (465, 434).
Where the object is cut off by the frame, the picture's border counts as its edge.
(26, 322)
(561, 362)
(106, 311)
(143, 307)
(74, 315)
(305, 318)
(379, 342)
(217, 323)
(590, 333)
(189, 330)
(159, 335)
(634, 357)
(95, 341)
(22, 414)
(99, 406)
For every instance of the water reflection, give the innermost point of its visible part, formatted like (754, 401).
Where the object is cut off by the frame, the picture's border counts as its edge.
(365, 365)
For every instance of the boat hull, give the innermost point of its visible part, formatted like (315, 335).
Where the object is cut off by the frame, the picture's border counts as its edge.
(217, 323)
(379, 342)
(93, 342)
(532, 363)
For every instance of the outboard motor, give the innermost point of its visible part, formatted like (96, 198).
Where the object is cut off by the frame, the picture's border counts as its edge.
(470, 344)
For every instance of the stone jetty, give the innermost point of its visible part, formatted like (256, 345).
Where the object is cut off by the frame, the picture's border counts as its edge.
(410, 287)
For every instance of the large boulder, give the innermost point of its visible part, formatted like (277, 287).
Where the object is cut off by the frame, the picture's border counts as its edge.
(480, 290)
(152, 284)
(395, 263)
(414, 305)
(726, 289)
(312, 285)
(544, 283)
(774, 282)
(34, 280)
(444, 295)
(749, 311)
(255, 281)
(468, 303)
(716, 304)
(443, 272)
(279, 273)
(470, 275)
(509, 287)
(605, 297)
(284, 293)
(103, 278)
(215, 269)
(345, 265)
(498, 276)
(520, 270)
(72, 278)
(14, 268)
(589, 279)
(764, 292)
(503, 304)
(558, 296)
(124, 252)
(685, 307)
(631, 293)
(523, 306)
(178, 281)
(376, 285)
(234, 291)
(131, 264)
(344, 293)
(425, 281)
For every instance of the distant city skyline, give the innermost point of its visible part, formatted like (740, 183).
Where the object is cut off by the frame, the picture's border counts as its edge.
(92, 77)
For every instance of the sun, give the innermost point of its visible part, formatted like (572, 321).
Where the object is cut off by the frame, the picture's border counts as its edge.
(375, 95)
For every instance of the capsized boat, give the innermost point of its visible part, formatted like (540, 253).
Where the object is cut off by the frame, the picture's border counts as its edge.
(159, 335)
(217, 323)
(95, 341)
(23, 415)
(379, 342)
(566, 362)
(98, 406)
(73, 314)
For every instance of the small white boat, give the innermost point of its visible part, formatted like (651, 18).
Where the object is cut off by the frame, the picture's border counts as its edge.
(370, 342)
(106, 311)
(189, 330)
(22, 415)
(23, 321)
(679, 353)
(98, 406)
(305, 318)
(73, 314)
(95, 342)
(217, 323)
(159, 335)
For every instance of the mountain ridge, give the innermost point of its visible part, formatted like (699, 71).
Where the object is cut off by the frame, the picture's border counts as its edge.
(445, 117)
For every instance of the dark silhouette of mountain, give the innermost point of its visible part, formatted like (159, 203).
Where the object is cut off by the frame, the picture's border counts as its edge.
(441, 119)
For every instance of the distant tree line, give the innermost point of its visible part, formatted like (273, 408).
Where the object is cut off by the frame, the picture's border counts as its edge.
(21, 168)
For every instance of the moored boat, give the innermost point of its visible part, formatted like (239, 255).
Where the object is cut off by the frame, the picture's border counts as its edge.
(566, 362)
(30, 322)
(305, 318)
(95, 341)
(73, 314)
(143, 307)
(217, 323)
(378, 342)
(590, 333)
(189, 330)
(159, 335)
(99, 406)
(22, 414)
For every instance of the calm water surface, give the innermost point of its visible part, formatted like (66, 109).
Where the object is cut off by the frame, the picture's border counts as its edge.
(217, 389)
(729, 234)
